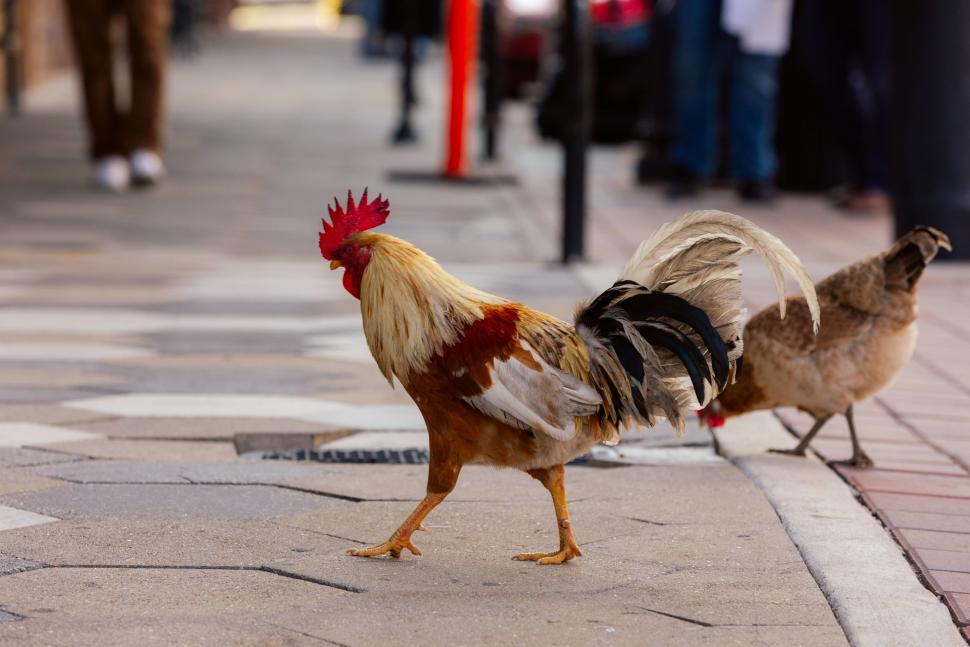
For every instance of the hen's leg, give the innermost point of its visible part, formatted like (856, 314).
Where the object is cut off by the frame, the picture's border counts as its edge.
(799, 449)
(442, 476)
(859, 457)
(554, 480)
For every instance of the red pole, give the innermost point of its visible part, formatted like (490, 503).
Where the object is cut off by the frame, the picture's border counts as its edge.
(462, 37)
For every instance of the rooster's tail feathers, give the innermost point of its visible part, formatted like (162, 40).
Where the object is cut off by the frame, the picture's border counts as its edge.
(704, 246)
(909, 256)
(667, 335)
(643, 344)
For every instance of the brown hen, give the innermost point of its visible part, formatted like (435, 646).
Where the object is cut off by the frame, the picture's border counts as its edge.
(867, 336)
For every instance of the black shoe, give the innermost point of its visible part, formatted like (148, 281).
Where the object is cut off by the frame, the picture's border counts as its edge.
(684, 183)
(757, 191)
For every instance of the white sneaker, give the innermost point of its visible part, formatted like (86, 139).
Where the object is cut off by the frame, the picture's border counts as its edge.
(111, 173)
(146, 168)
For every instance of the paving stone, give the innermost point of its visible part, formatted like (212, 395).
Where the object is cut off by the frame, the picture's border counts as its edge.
(960, 603)
(228, 379)
(157, 450)
(157, 607)
(228, 306)
(903, 483)
(662, 546)
(918, 467)
(78, 321)
(609, 619)
(944, 560)
(918, 503)
(255, 406)
(928, 521)
(47, 414)
(179, 471)
(10, 564)
(155, 501)
(39, 352)
(194, 342)
(183, 542)
(25, 456)
(197, 428)
(370, 440)
(951, 581)
(46, 379)
(21, 480)
(11, 518)
(27, 395)
(254, 445)
(19, 434)
(350, 346)
(883, 451)
(949, 541)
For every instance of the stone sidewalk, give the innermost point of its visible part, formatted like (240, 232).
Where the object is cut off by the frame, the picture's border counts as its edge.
(147, 339)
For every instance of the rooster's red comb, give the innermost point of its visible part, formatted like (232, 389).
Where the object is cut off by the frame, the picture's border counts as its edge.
(358, 217)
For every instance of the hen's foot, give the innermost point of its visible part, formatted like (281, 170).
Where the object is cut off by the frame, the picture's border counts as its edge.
(563, 555)
(392, 547)
(860, 460)
(789, 452)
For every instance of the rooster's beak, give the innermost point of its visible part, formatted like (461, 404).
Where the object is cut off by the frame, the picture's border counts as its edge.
(334, 265)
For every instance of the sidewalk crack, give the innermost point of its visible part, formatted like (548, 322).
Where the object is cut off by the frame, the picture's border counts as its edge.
(207, 567)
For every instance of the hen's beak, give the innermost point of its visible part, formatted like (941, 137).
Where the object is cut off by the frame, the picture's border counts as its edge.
(334, 265)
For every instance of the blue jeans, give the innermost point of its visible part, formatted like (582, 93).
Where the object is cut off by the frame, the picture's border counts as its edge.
(704, 56)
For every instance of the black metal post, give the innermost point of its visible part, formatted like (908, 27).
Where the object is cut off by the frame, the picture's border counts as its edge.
(404, 132)
(491, 78)
(931, 102)
(575, 49)
(11, 47)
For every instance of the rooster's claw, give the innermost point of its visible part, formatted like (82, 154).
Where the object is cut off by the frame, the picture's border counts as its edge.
(393, 548)
(560, 557)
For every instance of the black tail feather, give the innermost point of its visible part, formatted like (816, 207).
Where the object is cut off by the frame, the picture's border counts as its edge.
(680, 345)
(666, 322)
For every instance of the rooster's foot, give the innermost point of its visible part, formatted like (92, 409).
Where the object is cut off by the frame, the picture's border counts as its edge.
(789, 452)
(563, 555)
(392, 547)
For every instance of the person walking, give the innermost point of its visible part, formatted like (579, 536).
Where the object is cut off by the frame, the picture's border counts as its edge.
(125, 143)
(738, 42)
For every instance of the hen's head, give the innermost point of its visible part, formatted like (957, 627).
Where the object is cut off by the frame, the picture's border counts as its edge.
(712, 416)
(338, 242)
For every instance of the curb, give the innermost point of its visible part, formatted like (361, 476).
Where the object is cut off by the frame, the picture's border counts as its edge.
(863, 573)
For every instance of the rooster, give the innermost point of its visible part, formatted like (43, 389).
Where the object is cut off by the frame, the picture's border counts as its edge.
(867, 337)
(501, 384)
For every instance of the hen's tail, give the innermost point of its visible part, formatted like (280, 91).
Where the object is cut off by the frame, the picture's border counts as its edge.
(909, 256)
(667, 336)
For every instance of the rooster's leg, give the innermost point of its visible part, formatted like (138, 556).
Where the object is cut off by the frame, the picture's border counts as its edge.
(553, 478)
(799, 449)
(442, 477)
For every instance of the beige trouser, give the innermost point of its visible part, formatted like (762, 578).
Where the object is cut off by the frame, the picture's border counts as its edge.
(113, 130)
